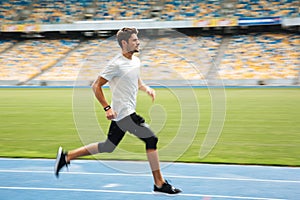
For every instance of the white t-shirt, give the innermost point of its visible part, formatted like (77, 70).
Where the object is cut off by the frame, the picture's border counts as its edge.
(122, 75)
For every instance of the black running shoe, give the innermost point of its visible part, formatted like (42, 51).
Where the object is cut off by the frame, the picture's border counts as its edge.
(60, 161)
(166, 188)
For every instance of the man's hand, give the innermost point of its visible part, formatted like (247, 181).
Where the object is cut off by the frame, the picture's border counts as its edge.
(147, 89)
(151, 93)
(110, 114)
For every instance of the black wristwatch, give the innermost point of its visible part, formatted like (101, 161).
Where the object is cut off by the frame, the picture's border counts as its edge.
(107, 108)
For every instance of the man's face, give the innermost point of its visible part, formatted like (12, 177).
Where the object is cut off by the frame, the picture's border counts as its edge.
(133, 44)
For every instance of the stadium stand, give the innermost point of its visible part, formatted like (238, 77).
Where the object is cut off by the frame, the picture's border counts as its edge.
(254, 56)
(123, 10)
(27, 59)
(65, 11)
(6, 44)
(10, 9)
(262, 8)
(159, 61)
(261, 56)
(185, 10)
(59, 11)
(83, 62)
(176, 58)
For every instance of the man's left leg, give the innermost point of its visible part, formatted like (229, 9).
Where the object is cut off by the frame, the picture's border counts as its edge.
(161, 185)
(153, 159)
(135, 124)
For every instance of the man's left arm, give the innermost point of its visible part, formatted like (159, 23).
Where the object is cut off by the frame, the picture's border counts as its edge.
(147, 89)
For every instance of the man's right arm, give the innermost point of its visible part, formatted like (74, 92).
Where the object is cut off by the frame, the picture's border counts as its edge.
(97, 88)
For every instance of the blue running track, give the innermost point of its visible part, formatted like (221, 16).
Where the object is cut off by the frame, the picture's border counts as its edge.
(26, 179)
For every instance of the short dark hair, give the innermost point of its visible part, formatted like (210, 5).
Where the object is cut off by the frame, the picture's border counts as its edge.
(125, 33)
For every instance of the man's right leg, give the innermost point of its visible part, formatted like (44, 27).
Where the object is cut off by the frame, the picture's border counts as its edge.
(114, 137)
(63, 158)
(90, 149)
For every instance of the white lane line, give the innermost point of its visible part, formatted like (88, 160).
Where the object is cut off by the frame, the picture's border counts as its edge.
(149, 175)
(130, 192)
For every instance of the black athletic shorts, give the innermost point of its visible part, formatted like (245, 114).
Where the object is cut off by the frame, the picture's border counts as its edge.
(134, 124)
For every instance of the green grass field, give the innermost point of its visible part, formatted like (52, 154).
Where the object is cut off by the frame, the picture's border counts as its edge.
(262, 125)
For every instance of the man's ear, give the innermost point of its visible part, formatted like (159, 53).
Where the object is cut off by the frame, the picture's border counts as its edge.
(123, 43)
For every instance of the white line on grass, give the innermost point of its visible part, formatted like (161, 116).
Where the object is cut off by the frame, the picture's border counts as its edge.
(146, 163)
(149, 175)
(129, 192)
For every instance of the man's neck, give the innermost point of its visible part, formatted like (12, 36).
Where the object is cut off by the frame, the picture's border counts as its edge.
(128, 55)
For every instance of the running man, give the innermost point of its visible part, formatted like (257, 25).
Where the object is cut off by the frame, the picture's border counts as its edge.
(123, 76)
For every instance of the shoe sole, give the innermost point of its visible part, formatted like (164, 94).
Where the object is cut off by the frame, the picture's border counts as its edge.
(58, 156)
(165, 194)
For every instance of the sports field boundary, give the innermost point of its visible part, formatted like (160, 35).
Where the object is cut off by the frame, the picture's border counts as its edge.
(155, 86)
